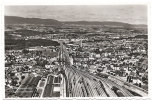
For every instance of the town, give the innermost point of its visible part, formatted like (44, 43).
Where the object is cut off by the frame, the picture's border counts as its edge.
(31, 63)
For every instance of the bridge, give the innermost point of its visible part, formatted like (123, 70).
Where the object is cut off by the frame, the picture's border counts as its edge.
(85, 84)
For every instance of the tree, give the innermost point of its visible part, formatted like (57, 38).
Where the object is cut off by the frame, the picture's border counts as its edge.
(25, 51)
(12, 74)
(14, 82)
(22, 77)
(26, 67)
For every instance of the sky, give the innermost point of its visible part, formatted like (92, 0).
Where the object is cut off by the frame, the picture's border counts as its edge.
(134, 14)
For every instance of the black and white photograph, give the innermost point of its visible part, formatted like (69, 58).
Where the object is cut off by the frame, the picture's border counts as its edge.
(55, 51)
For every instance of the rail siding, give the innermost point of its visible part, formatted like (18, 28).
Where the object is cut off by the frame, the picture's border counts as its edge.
(129, 86)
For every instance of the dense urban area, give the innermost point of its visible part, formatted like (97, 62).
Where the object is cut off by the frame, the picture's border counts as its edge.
(76, 60)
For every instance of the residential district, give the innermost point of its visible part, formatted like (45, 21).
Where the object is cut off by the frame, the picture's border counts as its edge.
(80, 61)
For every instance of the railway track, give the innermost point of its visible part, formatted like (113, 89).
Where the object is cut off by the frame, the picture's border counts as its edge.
(91, 85)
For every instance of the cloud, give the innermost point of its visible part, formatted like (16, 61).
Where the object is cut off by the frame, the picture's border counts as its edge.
(124, 13)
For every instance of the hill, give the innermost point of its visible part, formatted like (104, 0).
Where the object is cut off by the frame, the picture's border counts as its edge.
(109, 24)
(11, 44)
(21, 20)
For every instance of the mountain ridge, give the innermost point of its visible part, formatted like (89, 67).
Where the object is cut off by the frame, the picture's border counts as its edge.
(22, 20)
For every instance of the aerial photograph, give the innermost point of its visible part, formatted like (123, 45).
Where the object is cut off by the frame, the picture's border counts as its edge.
(76, 51)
